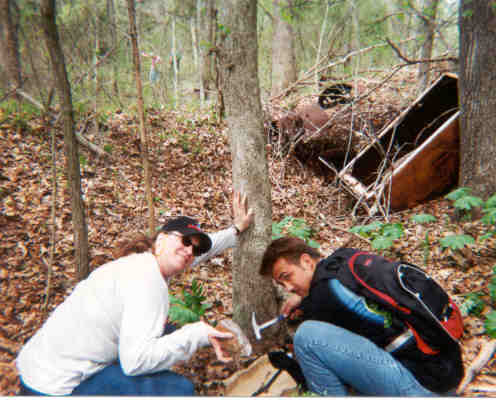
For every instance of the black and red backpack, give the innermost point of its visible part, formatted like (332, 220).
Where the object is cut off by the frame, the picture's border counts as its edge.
(406, 291)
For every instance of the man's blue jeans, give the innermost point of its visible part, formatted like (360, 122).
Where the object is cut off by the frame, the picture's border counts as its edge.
(333, 358)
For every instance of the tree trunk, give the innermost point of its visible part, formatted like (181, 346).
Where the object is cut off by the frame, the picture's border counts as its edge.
(113, 45)
(239, 75)
(9, 45)
(174, 61)
(141, 111)
(70, 143)
(427, 31)
(206, 38)
(477, 85)
(283, 53)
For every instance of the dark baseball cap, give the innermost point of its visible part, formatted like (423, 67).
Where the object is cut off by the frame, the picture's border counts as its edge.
(189, 227)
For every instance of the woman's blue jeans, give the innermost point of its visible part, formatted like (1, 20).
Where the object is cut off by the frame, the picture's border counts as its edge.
(333, 358)
(112, 381)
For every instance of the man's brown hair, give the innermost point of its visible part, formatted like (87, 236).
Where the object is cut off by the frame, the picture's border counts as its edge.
(289, 248)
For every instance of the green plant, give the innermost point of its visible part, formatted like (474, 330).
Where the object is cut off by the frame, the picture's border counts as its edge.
(296, 228)
(489, 218)
(463, 201)
(190, 307)
(423, 219)
(456, 241)
(475, 305)
(490, 324)
(492, 286)
(382, 235)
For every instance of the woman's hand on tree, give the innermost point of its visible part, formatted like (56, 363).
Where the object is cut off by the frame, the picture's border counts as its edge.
(242, 215)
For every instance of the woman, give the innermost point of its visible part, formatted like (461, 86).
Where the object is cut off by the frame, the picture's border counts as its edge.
(107, 337)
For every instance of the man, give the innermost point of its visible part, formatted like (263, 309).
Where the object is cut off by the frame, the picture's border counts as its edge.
(343, 338)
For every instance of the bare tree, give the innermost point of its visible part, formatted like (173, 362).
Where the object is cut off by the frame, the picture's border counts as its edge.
(477, 86)
(238, 72)
(206, 38)
(70, 143)
(9, 45)
(141, 111)
(427, 30)
(283, 52)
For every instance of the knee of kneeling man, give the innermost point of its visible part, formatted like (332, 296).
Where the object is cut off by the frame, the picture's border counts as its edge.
(304, 332)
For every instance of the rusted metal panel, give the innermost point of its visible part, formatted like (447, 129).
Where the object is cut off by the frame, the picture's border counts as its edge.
(413, 158)
(429, 170)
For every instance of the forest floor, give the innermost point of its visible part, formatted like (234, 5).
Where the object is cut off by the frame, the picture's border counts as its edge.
(191, 165)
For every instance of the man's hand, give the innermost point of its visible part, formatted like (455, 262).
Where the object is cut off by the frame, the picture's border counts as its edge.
(289, 308)
(243, 216)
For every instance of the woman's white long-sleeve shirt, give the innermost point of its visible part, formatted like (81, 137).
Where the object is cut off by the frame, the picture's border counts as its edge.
(117, 313)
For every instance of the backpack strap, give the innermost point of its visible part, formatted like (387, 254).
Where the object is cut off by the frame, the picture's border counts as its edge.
(381, 295)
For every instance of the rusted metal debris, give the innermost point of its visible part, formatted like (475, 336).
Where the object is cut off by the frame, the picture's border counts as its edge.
(414, 158)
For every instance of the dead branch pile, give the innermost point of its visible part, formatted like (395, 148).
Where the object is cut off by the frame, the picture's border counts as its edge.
(298, 125)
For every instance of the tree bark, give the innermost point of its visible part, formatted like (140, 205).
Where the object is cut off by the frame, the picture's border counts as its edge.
(141, 111)
(113, 44)
(427, 30)
(70, 143)
(239, 75)
(9, 45)
(477, 85)
(283, 53)
(206, 38)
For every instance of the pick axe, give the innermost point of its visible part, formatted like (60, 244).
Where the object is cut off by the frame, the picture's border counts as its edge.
(258, 328)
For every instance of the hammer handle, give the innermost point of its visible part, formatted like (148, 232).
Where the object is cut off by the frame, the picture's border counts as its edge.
(271, 322)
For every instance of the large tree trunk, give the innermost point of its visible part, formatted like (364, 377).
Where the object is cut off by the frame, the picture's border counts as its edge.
(9, 46)
(71, 148)
(141, 111)
(427, 31)
(283, 53)
(239, 75)
(477, 86)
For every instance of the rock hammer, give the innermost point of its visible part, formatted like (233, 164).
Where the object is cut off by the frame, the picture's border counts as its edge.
(258, 328)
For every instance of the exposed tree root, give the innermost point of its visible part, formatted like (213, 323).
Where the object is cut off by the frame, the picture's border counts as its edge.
(485, 354)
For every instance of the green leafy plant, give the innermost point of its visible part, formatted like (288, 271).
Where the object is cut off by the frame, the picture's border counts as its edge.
(490, 324)
(456, 241)
(489, 218)
(423, 218)
(473, 304)
(492, 286)
(190, 307)
(382, 235)
(295, 228)
(463, 201)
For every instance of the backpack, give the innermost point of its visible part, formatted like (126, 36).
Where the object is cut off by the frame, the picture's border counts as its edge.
(405, 290)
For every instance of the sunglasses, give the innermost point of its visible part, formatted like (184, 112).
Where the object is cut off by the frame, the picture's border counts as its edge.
(186, 241)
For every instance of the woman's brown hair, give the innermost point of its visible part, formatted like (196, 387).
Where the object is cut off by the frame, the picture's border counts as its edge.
(142, 243)
(289, 248)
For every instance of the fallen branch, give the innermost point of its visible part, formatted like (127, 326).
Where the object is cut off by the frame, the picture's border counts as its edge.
(483, 389)
(485, 354)
(79, 137)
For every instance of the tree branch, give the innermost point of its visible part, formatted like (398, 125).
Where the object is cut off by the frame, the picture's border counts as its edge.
(410, 62)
